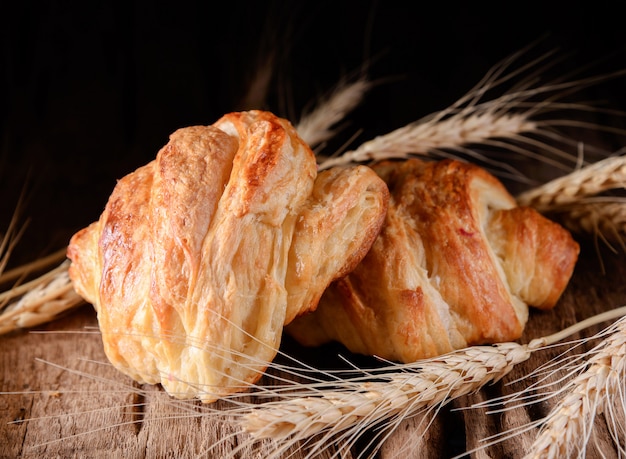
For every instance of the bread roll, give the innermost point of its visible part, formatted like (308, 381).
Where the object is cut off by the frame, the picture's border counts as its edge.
(456, 264)
(204, 254)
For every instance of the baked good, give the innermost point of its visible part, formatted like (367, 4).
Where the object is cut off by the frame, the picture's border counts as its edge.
(203, 255)
(457, 263)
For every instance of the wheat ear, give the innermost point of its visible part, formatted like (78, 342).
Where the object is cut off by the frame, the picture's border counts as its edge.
(509, 122)
(604, 217)
(319, 125)
(10, 238)
(424, 138)
(383, 397)
(568, 427)
(576, 201)
(359, 400)
(603, 175)
(34, 266)
(39, 300)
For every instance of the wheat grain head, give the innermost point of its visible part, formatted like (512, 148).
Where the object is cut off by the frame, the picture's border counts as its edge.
(567, 429)
(593, 179)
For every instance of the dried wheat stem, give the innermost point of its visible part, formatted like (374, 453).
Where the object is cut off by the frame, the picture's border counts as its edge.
(473, 119)
(567, 429)
(33, 266)
(421, 138)
(430, 382)
(605, 217)
(317, 126)
(40, 300)
(396, 391)
(9, 240)
(607, 174)
(44, 279)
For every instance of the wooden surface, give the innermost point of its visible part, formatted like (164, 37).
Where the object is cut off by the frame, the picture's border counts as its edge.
(88, 409)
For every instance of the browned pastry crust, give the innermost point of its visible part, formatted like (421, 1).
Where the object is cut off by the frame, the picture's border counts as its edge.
(456, 264)
(201, 256)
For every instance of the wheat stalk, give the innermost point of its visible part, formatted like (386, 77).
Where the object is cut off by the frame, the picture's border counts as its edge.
(40, 300)
(384, 397)
(425, 137)
(10, 238)
(595, 384)
(316, 126)
(575, 199)
(588, 384)
(510, 122)
(34, 266)
(568, 427)
(365, 399)
(604, 217)
(603, 175)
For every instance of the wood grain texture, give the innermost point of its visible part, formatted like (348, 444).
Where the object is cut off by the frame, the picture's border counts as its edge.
(94, 411)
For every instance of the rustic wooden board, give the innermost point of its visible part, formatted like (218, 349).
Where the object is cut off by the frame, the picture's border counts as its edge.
(56, 412)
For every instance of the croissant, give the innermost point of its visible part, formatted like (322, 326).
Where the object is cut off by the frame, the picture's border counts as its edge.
(202, 256)
(456, 263)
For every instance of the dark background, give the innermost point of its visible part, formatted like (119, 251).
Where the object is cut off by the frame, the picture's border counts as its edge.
(91, 90)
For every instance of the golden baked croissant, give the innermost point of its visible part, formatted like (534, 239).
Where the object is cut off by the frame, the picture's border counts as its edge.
(201, 256)
(456, 264)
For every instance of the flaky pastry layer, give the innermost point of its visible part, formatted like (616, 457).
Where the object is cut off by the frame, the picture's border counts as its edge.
(457, 263)
(204, 254)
